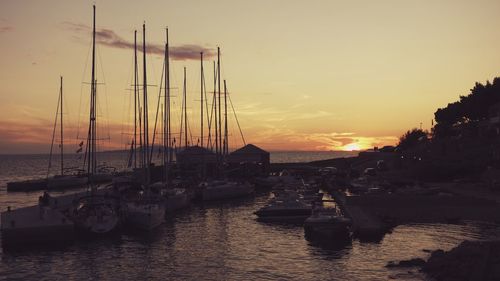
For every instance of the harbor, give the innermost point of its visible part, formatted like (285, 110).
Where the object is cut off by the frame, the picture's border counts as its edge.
(214, 237)
(249, 141)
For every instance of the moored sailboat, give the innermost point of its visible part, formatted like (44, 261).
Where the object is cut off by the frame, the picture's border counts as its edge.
(221, 188)
(56, 182)
(63, 180)
(145, 208)
(97, 213)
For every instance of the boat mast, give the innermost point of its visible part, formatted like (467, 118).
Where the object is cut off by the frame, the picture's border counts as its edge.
(62, 142)
(185, 112)
(145, 105)
(201, 97)
(167, 85)
(136, 97)
(165, 113)
(226, 145)
(218, 92)
(215, 111)
(91, 167)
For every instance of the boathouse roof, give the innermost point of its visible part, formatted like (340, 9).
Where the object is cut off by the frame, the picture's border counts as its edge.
(249, 149)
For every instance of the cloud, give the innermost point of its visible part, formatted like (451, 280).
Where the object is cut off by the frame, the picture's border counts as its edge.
(285, 139)
(108, 37)
(4, 26)
(34, 135)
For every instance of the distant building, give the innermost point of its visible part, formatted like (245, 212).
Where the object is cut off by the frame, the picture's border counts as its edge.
(250, 160)
(196, 159)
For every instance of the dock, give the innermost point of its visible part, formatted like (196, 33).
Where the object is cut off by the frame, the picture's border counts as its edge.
(45, 223)
(33, 225)
(365, 225)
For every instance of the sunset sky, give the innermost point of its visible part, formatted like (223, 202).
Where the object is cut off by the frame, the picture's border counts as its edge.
(303, 75)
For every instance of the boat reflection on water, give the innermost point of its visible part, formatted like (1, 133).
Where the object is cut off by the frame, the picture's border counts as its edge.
(331, 248)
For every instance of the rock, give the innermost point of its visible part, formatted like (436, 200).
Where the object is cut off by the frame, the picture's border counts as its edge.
(469, 261)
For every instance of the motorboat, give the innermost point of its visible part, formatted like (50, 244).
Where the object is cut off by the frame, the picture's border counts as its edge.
(282, 209)
(328, 223)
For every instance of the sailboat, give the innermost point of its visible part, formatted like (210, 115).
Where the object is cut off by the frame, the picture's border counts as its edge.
(145, 208)
(174, 198)
(62, 180)
(58, 181)
(97, 213)
(222, 188)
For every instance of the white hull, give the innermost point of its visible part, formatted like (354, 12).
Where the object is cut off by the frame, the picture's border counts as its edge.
(176, 200)
(328, 225)
(145, 216)
(97, 219)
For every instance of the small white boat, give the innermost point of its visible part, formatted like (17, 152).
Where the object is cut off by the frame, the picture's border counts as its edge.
(174, 198)
(145, 214)
(218, 190)
(285, 209)
(328, 223)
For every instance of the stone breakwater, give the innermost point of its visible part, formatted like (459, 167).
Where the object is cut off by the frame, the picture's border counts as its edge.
(471, 260)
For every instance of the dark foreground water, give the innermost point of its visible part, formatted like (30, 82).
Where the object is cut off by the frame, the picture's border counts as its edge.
(223, 241)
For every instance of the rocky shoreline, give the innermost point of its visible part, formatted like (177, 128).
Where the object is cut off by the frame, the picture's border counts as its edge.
(469, 261)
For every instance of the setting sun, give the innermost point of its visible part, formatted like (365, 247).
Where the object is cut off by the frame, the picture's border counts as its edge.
(351, 147)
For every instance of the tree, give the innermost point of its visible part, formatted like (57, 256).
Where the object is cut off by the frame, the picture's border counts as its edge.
(470, 109)
(412, 138)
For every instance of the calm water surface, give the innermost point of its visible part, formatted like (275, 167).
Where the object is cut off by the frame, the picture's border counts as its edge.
(223, 241)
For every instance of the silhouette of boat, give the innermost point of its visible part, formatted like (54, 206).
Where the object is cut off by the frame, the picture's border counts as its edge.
(145, 208)
(328, 223)
(97, 213)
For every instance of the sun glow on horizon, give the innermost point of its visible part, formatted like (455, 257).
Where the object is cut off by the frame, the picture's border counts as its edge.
(351, 147)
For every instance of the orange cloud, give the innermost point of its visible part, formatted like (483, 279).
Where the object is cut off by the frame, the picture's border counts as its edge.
(274, 138)
(109, 38)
